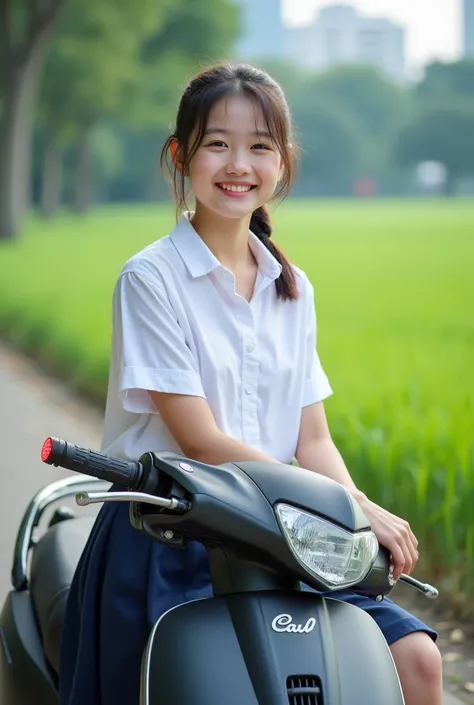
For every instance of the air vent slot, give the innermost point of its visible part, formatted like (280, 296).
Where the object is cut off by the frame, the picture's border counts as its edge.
(304, 690)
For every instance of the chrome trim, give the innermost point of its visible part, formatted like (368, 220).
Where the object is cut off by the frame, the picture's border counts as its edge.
(428, 590)
(44, 498)
(145, 669)
(85, 498)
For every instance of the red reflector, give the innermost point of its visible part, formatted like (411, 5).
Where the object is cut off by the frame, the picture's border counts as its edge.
(47, 449)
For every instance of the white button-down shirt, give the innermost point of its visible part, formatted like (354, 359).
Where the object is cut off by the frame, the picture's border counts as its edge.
(179, 327)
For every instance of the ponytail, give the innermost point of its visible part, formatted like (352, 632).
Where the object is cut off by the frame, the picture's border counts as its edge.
(260, 225)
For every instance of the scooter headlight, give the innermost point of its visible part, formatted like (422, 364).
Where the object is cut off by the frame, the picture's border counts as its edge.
(337, 558)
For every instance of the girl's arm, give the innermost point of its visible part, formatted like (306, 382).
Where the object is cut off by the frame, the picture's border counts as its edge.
(316, 450)
(192, 425)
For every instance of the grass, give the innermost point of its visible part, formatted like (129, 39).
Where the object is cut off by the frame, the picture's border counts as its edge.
(395, 296)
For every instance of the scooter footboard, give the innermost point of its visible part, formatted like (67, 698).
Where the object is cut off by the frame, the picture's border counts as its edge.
(268, 648)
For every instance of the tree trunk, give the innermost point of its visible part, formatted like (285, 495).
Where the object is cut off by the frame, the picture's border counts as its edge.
(22, 64)
(52, 181)
(83, 176)
(15, 146)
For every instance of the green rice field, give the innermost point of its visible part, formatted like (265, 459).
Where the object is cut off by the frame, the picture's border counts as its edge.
(394, 285)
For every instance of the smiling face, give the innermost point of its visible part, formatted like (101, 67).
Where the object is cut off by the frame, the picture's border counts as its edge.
(237, 166)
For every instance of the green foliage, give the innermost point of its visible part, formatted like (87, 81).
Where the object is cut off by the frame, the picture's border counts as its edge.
(329, 143)
(193, 34)
(94, 60)
(23, 25)
(108, 151)
(292, 79)
(347, 119)
(441, 125)
(443, 80)
(128, 62)
(394, 292)
(443, 133)
(363, 93)
(128, 58)
(201, 30)
(369, 108)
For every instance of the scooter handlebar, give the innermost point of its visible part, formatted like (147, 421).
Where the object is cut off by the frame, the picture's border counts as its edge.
(90, 462)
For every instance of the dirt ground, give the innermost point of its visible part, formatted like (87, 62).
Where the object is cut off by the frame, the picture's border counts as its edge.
(455, 641)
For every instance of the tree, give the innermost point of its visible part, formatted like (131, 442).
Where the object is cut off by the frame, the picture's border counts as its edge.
(442, 134)
(195, 34)
(57, 125)
(101, 70)
(446, 80)
(293, 79)
(25, 29)
(91, 69)
(364, 94)
(329, 146)
(373, 107)
(200, 30)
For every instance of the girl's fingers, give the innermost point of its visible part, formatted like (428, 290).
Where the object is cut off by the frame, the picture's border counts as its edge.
(398, 559)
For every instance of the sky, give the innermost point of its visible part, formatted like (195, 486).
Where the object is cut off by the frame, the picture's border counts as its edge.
(433, 27)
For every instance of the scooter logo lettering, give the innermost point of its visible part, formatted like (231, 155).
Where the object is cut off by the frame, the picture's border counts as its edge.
(284, 623)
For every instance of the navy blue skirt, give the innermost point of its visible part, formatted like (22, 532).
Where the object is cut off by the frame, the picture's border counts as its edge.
(123, 583)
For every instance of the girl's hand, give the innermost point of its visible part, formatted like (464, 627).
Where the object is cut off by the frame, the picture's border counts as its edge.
(393, 533)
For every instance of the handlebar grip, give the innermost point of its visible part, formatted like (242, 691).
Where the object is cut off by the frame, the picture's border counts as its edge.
(90, 462)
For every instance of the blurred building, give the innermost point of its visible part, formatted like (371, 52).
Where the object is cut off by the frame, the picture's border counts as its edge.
(468, 28)
(340, 35)
(263, 32)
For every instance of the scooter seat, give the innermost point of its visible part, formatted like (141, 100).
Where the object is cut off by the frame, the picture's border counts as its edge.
(54, 562)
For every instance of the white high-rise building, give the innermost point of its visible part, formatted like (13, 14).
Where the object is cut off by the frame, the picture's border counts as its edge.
(340, 35)
(468, 29)
(263, 32)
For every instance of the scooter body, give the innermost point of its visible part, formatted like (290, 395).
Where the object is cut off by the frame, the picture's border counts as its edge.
(239, 649)
(234, 650)
(260, 640)
(33, 612)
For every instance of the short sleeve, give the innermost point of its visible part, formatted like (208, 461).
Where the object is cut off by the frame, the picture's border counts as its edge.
(316, 383)
(152, 351)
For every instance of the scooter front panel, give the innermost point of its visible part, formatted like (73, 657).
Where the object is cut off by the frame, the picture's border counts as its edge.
(268, 648)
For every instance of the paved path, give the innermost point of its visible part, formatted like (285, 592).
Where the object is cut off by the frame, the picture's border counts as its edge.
(33, 407)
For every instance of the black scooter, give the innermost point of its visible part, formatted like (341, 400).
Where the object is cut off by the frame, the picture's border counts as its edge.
(260, 640)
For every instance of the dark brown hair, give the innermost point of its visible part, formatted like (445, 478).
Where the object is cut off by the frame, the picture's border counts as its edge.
(202, 93)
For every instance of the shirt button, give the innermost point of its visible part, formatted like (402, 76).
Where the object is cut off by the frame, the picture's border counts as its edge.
(248, 390)
(250, 347)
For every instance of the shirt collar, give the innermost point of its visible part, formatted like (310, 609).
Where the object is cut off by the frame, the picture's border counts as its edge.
(199, 259)
(267, 263)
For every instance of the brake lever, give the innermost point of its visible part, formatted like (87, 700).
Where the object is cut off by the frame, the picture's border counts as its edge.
(428, 590)
(180, 506)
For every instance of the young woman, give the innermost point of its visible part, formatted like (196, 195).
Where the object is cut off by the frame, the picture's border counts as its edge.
(214, 356)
